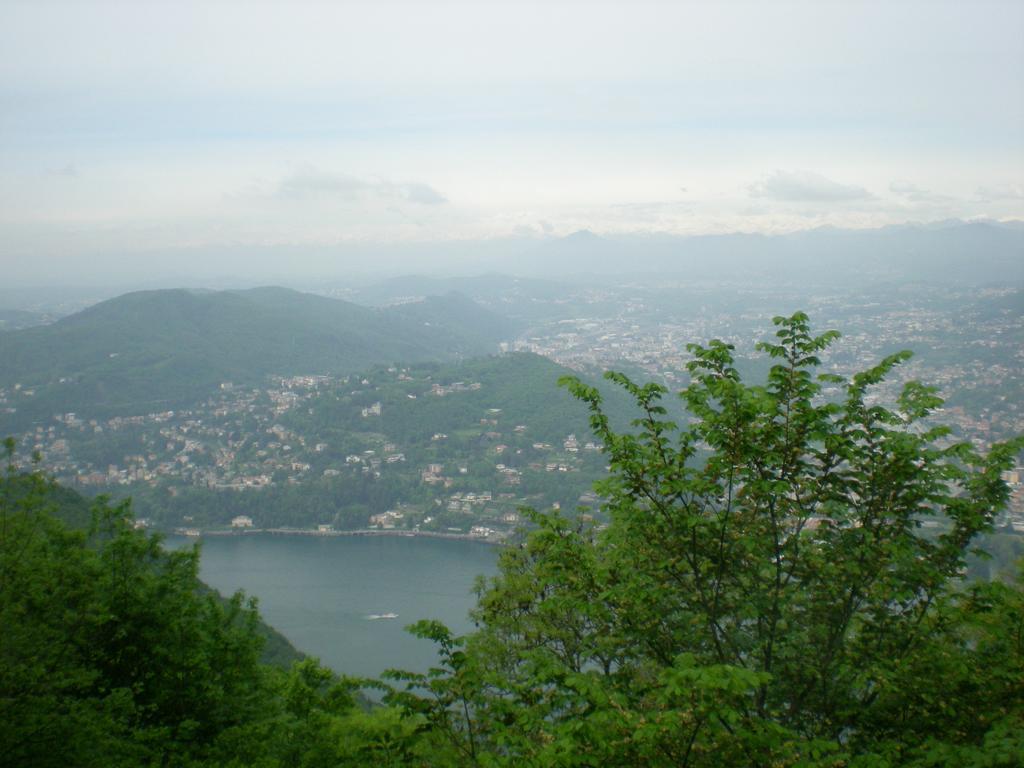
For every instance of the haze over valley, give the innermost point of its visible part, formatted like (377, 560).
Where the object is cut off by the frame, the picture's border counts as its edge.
(564, 384)
(431, 403)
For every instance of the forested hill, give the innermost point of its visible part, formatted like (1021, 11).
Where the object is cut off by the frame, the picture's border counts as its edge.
(487, 394)
(75, 513)
(360, 445)
(158, 349)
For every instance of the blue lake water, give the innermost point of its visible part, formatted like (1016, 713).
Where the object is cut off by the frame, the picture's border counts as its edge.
(321, 592)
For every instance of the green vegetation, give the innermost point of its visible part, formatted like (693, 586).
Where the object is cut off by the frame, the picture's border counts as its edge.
(511, 390)
(775, 604)
(763, 594)
(157, 350)
(15, 319)
(996, 556)
(496, 411)
(113, 653)
(109, 654)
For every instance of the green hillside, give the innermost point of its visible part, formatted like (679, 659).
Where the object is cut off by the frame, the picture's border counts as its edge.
(16, 319)
(453, 321)
(76, 513)
(359, 445)
(156, 350)
(512, 390)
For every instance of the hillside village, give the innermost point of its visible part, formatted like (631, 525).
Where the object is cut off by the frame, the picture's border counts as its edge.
(460, 449)
(471, 481)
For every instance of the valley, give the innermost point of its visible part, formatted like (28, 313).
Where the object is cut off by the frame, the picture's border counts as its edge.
(455, 422)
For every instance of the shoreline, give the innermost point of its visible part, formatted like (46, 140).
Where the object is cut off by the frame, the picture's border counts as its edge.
(365, 532)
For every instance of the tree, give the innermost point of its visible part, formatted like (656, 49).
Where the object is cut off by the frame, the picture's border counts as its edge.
(764, 594)
(112, 652)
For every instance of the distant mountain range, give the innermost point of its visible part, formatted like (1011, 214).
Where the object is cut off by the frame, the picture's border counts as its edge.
(161, 349)
(958, 252)
(491, 288)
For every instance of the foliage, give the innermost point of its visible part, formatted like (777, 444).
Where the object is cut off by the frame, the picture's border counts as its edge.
(158, 350)
(515, 390)
(109, 649)
(763, 595)
(113, 653)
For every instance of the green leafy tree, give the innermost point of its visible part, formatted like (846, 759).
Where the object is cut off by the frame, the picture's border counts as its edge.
(53, 706)
(112, 652)
(763, 595)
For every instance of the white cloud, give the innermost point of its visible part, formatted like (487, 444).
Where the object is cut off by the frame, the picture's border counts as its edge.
(806, 187)
(1001, 192)
(915, 194)
(424, 194)
(310, 183)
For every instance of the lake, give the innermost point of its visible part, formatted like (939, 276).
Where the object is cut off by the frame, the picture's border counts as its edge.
(321, 592)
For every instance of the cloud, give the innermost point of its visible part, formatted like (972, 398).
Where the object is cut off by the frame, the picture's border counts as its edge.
(804, 187)
(914, 194)
(424, 194)
(308, 183)
(1001, 192)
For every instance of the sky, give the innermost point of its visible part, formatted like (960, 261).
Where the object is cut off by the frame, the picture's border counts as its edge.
(142, 126)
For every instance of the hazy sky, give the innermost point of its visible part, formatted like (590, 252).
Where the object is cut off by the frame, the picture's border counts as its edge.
(142, 125)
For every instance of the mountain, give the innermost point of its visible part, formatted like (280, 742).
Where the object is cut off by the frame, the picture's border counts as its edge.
(522, 387)
(16, 319)
(359, 446)
(488, 289)
(457, 324)
(951, 252)
(155, 350)
(523, 301)
(960, 252)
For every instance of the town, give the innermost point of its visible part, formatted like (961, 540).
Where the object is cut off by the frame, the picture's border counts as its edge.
(379, 452)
